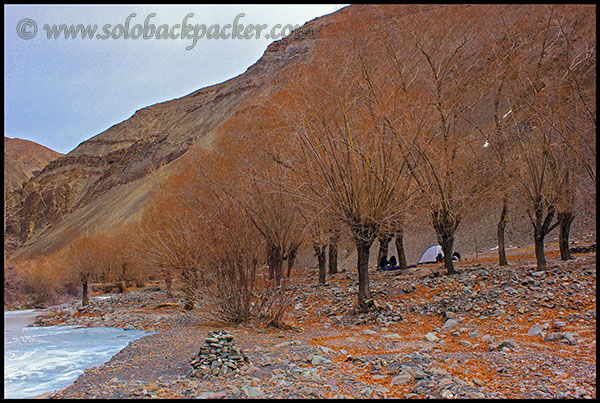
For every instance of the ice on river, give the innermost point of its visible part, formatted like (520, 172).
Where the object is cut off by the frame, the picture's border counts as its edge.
(44, 359)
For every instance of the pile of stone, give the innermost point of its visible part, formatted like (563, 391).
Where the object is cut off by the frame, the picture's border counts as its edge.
(218, 356)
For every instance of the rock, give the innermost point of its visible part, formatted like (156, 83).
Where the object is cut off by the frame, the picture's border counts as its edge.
(418, 374)
(366, 391)
(401, 379)
(553, 336)
(446, 394)
(503, 345)
(475, 333)
(431, 338)
(558, 324)
(318, 359)
(534, 330)
(478, 382)
(449, 324)
(394, 336)
(570, 339)
(439, 371)
(326, 350)
(476, 395)
(508, 343)
(250, 391)
(212, 395)
(369, 332)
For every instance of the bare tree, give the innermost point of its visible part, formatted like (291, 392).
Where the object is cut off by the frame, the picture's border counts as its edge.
(347, 164)
(442, 94)
(547, 110)
(83, 256)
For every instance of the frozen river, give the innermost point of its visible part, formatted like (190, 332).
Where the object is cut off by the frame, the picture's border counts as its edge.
(44, 359)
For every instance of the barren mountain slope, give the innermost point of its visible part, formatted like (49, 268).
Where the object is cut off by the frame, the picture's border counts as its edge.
(22, 158)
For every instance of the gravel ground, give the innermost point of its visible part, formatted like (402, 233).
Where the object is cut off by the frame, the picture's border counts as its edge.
(431, 336)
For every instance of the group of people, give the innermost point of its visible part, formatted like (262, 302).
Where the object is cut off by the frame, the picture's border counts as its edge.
(455, 257)
(384, 262)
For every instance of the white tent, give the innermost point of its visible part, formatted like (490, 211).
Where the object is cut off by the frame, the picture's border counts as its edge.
(430, 254)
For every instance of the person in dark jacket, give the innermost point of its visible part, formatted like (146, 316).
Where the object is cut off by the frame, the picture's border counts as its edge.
(393, 262)
(383, 262)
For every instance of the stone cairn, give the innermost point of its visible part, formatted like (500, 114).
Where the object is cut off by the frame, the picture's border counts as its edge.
(218, 356)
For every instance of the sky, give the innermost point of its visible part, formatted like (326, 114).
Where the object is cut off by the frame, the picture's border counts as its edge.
(61, 91)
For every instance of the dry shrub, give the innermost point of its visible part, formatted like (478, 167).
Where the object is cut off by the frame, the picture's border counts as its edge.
(44, 280)
(271, 305)
(230, 293)
(234, 297)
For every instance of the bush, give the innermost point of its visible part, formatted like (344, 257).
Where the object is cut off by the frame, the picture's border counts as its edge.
(236, 298)
(39, 282)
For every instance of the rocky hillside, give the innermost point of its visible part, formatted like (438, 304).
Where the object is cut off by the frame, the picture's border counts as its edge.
(22, 160)
(107, 179)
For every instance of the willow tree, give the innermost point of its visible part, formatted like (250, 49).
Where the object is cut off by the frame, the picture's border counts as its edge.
(261, 174)
(446, 158)
(347, 162)
(170, 229)
(83, 256)
(550, 100)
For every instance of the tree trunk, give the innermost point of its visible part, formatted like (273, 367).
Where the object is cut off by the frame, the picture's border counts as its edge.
(270, 262)
(275, 264)
(447, 244)
(384, 242)
(291, 259)
(321, 252)
(501, 226)
(541, 227)
(84, 299)
(539, 251)
(445, 227)
(333, 255)
(189, 288)
(400, 249)
(565, 220)
(363, 247)
(168, 282)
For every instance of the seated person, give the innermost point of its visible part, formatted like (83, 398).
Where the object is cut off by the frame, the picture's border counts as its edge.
(456, 257)
(393, 262)
(439, 258)
(383, 262)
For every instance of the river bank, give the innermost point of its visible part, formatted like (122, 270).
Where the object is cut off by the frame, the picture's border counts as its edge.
(487, 332)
